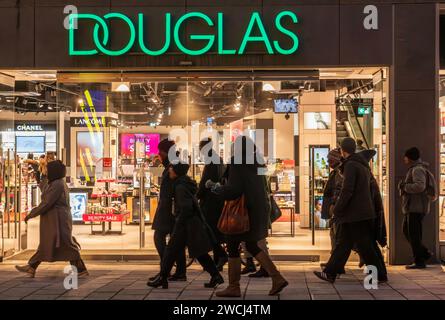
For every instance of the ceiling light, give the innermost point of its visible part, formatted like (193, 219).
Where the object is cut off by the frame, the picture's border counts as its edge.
(80, 101)
(120, 86)
(50, 108)
(272, 86)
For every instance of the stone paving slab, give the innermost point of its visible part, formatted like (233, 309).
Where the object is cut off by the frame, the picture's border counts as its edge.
(127, 281)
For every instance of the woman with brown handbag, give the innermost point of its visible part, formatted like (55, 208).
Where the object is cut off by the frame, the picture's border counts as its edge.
(245, 194)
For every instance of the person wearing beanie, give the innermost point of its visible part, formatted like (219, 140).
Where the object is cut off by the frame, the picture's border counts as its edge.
(331, 192)
(416, 204)
(354, 216)
(56, 240)
(164, 220)
(190, 230)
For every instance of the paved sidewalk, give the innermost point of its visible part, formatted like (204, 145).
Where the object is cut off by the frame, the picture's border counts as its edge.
(126, 281)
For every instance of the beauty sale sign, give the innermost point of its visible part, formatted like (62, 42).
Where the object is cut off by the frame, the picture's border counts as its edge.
(150, 140)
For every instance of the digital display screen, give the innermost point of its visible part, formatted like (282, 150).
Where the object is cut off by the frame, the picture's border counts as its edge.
(148, 141)
(30, 144)
(285, 106)
(78, 204)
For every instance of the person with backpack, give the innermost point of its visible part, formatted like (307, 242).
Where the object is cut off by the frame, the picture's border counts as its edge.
(417, 191)
(211, 204)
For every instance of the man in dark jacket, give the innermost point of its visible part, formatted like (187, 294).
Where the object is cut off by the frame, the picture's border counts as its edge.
(164, 220)
(190, 230)
(355, 215)
(210, 203)
(415, 205)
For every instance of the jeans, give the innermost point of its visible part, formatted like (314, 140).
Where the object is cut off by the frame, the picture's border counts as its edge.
(359, 234)
(412, 229)
(160, 240)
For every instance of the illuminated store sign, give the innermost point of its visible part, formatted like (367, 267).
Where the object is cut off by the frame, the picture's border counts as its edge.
(255, 32)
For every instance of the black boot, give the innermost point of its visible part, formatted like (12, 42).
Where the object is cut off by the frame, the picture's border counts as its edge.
(259, 274)
(221, 262)
(154, 277)
(215, 280)
(158, 282)
(250, 266)
(178, 277)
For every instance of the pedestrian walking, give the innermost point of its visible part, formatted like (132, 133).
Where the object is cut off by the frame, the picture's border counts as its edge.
(164, 220)
(354, 215)
(190, 230)
(56, 225)
(211, 204)
(330, 195)
(417, 191)
(244, 180)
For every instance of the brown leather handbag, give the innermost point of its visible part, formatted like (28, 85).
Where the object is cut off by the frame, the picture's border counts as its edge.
(234, 217)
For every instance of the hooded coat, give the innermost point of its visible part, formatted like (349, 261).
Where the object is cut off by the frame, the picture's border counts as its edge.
(355, 202)
(412, 189)
(164, 219)
(380, 223)
(188, 218)
(210, 203)
(56, 224)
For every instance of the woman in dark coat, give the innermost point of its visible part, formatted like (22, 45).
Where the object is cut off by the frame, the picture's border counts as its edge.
(210, 203)
(56, 224)
(246, 171)
(190, 230)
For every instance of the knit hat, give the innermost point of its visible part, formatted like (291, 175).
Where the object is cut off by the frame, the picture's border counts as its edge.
(334, 156)
(413, 154)
(348, 145)
(180, 168)
(56, 170)
(165, 145)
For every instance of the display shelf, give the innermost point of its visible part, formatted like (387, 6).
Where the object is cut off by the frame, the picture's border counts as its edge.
(96, 196)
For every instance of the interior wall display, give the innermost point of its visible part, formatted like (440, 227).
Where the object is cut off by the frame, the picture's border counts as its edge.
(30, 144)
(90, 151)
(285, 105)
(317, 120)
(319, 175)
(151, 141)
(78, 204)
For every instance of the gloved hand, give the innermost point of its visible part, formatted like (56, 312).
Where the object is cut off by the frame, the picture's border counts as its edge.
(27, 218)
(209, 184)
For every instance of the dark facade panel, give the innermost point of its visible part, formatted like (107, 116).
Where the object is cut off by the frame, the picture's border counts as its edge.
(415, 112)
(78, 3)
(51, 40)
(415, 53)
(17, 37)
(317, 30)
(359, 46)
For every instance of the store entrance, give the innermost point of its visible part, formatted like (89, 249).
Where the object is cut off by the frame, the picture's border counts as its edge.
(109, 126)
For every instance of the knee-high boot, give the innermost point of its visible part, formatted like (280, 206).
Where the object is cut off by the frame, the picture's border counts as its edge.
(278, 281)
(233, 290)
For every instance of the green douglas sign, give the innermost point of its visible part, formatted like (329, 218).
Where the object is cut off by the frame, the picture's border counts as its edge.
(255, 32)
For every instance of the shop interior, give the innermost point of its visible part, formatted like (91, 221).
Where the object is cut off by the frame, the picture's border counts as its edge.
(106, 126)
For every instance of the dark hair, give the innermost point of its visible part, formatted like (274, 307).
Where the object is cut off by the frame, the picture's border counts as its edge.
(348, 145)
(56, 170)
(165, 145)
(30, 156)
(249, 152)
(413, 154)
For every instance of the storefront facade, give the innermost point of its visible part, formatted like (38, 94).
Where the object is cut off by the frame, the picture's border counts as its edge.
(184, 45)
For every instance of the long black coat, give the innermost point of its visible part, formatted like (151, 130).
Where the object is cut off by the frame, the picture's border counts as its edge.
(355, 201)
(245, 179)
(188, 216)
(56, 224)
(164, 219)
(210, 203)
(331, 192)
